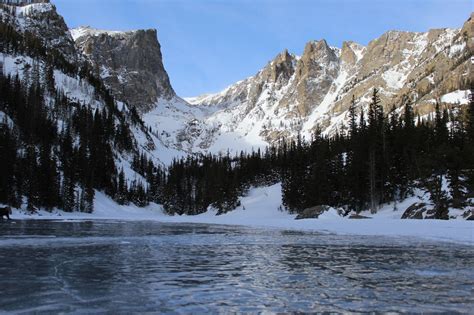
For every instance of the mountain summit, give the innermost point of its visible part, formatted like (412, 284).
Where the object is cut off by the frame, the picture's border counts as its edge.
(130, 63)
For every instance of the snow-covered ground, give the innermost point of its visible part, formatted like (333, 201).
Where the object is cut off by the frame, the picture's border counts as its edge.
(260, 208)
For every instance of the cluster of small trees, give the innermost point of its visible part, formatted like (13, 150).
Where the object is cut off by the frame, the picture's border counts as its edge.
(194, 183)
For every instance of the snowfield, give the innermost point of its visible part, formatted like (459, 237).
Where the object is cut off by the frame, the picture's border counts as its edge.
(261, 208)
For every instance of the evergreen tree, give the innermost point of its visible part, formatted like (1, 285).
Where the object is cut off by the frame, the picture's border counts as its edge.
(376, 150)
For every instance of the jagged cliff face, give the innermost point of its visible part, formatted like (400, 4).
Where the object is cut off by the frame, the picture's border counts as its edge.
(295, 94)
(130, 64)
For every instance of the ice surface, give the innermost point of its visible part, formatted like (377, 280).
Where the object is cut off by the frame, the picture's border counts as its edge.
(151, 267)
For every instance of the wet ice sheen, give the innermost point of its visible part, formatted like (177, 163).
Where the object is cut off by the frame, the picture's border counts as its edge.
(87, 267)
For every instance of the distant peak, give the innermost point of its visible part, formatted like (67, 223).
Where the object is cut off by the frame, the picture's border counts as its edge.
(283, 57)
(351, 52)
(315, 45)
(320, 50)
(281, 65)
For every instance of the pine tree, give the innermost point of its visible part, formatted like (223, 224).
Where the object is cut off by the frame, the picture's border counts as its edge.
(376, 151)
(122, 191)
(33, 194)
(48, 178)
(8, 160)
(469, 146)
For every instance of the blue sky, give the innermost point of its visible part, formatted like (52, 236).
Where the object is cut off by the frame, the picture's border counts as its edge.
(209, 44)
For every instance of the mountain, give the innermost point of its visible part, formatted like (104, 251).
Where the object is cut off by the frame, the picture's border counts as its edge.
(129, 63)
(88, 110)
(41, 19)
(62, 132)
(295, 95)
(291, 95)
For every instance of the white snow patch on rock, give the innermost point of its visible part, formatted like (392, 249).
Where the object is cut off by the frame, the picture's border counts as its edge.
(459, 96)
(394, 79)
(89, 31)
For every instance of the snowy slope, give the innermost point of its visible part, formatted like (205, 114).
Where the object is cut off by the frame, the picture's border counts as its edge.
(290, 95)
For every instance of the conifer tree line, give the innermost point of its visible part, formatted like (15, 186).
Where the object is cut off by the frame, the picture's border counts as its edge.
(382, 158)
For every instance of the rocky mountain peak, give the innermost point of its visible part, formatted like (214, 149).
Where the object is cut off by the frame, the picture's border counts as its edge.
(130, 63)
(317, 57)
(315, 71)
(427, 66)
(280, 69)
(351, 52)
(319, 51)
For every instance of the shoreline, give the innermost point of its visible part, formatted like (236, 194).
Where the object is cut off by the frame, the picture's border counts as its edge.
(451, 231)
(259, 209)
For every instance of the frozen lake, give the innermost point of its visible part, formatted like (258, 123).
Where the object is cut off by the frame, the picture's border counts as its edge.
(87, 267)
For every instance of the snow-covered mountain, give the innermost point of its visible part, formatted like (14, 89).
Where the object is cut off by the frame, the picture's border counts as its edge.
(291, 95)
(296, 94)
(99, 110)
(130, 65)
(41, 19)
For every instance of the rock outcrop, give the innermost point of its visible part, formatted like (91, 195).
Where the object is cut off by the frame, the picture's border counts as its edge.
(129, 63)
(316, 211)
(469, 214)
(415, 211)
(419, 210)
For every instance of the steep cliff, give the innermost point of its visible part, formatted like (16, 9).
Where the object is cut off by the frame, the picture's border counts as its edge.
(129, 63)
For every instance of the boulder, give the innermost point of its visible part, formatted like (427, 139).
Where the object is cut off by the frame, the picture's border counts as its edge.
(419, 210)
(316, 211)
(313, 212)
(415, 211)
(468, 214)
